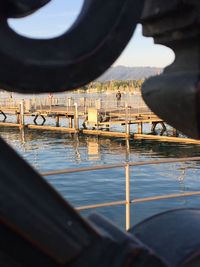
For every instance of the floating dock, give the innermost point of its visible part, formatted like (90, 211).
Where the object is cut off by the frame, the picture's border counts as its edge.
(88, 121)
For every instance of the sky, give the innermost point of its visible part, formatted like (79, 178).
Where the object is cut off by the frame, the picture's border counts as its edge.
(57, 16)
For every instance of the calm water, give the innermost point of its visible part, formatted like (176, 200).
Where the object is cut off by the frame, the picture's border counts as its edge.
(53, 151)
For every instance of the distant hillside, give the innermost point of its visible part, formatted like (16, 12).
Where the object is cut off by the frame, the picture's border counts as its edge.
(129, 73)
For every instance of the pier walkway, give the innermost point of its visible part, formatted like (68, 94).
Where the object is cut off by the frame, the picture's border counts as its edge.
(79, 118)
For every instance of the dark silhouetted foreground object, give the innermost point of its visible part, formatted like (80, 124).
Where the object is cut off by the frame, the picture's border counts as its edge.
(93, 43)
(37, 226)
(175, 95)
(20, 8)
(174, 236)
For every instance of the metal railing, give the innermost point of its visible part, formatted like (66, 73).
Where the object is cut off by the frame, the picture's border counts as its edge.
(104, 102)
(128, 201)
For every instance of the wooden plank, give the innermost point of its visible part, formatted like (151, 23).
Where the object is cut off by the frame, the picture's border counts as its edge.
(123, 122)
(10, 108)
(9, 124)
(131, 114)
(104, 133)
(55, 111)
(52, 128)
(166, 138)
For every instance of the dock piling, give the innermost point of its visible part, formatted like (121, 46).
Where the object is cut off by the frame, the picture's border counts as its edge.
(70, 122)
(175, 132)
(21, 108)
(127, 125)
(18, 117)
(57, 121)
(76, 118)
(104, 118)
(140, 127)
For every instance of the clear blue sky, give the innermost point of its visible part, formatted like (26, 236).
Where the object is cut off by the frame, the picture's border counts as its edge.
(59, 15)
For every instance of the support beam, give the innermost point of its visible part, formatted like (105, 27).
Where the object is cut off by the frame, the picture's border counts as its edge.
(22, 113)
(18, 117)
(140, 127)
(70, 122)
(76, 118)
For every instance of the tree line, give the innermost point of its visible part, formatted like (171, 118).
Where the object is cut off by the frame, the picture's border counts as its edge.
(129, 85)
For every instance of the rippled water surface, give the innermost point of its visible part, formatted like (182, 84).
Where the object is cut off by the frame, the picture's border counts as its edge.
(53, 151)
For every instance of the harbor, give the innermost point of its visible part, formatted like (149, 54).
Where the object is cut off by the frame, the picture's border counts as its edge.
(91, 171)
(108, 142)
(99, 121)
(97, 118)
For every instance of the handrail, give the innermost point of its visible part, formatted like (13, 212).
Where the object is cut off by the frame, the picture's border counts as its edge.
(128, 201)
(120, 165)
(138, 200)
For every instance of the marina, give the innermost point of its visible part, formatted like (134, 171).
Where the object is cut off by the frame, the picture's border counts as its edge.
(66, 138)
(66, 115)
(90, 171)
(100, 161)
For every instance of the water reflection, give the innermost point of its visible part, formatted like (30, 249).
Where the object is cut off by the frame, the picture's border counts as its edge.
(93, 148)
(80, 148)
(51, 151)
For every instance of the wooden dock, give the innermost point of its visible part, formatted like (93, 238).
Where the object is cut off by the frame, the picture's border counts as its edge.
(94, 121)
(165, 138)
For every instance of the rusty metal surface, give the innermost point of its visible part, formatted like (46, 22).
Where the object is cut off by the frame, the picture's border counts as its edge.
(174, 95)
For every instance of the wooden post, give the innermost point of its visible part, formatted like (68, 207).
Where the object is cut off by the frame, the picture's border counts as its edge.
(127, 125)
(70, 122)
(57, 120)
(127, 129)
(175, 132)
(28, 105)
(140, 128)
(128, 200)
(76, 119)
(127, 150)
(22, 113)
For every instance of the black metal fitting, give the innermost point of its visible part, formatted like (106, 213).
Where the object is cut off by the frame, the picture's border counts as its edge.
(83, 53)
(37, 226)
(173, 235)
(175, 94)
(19, 8)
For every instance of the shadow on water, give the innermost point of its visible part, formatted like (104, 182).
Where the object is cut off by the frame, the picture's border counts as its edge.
(52, 151)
